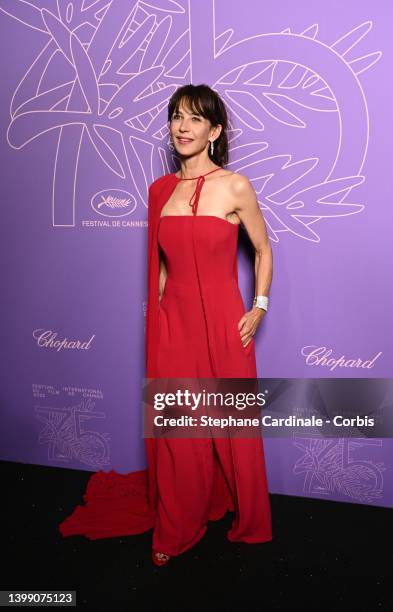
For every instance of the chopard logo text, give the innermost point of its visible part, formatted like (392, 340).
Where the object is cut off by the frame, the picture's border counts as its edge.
(48, 339)
(321, 356)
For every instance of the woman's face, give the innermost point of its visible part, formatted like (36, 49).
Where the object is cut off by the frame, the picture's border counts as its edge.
(191, 132)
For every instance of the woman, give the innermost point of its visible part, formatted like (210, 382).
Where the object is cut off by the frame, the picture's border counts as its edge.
(197, 327)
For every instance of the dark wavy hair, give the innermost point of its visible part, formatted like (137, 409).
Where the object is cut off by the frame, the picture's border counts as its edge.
(205, 101)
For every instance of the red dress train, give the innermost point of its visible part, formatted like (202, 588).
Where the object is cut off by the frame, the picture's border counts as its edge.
(191, 333)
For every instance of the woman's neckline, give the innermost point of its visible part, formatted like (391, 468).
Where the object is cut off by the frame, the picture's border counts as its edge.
(200, 217)
(192, 178)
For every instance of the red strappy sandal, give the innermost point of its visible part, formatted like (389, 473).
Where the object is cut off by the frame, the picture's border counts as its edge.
(157, 560)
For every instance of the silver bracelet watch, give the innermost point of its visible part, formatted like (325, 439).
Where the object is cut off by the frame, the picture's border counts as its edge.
(261, 301)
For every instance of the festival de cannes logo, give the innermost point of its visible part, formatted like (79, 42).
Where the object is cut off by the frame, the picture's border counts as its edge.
(113, 203)
(106, 70)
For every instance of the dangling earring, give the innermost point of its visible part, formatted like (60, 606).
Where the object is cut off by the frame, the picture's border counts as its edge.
(211, 147)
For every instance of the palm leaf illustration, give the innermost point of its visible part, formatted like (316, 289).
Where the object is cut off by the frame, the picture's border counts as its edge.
(117, 64)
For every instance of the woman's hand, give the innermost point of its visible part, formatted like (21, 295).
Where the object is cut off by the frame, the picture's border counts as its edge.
(248, 324)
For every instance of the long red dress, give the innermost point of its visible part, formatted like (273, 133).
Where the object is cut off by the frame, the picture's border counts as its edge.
(191, 333)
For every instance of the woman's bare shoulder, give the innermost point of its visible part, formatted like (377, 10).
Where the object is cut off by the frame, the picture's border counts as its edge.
(234, 178)
(239, 181)
(240, 185)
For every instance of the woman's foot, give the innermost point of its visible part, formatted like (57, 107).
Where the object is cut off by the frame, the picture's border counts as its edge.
(159, 558)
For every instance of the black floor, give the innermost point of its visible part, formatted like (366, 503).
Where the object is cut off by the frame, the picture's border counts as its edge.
(324, 555)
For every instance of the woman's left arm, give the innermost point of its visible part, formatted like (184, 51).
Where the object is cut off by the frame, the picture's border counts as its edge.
(247, 209)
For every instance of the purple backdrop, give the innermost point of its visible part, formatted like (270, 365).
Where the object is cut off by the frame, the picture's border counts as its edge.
(83, 133)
